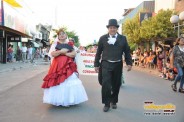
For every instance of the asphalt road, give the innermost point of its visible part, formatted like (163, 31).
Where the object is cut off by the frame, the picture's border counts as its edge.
(23, 102)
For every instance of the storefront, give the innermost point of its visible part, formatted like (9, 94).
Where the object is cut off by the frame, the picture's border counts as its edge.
(12, 37)
(15, 24)
(1, 50)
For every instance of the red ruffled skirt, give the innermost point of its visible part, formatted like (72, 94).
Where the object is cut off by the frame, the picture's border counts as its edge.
(61, 68)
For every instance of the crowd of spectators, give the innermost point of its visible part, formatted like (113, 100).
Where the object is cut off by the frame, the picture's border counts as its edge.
(158, 60)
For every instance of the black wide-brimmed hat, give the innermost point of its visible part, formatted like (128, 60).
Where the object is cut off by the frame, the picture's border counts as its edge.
(113, 22)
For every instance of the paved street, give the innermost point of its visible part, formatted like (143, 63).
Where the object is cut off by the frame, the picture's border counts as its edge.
(21, 100)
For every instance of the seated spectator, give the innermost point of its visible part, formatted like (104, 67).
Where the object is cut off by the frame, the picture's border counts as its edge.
(166, 69)
(146, 55)
(152, 59)
(135, 58)
(141, 60)
(170, 75)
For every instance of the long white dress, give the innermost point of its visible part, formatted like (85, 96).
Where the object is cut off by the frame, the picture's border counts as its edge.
(69, 92)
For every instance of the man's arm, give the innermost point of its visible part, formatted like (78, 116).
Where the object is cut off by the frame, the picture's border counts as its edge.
(98, 55)
(128, 57)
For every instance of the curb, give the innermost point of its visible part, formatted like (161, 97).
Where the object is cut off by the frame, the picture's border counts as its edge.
(22, 67)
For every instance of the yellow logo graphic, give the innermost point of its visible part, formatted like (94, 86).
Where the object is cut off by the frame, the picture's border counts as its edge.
(153, 109)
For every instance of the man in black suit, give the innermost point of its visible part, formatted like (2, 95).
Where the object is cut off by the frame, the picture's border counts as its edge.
(110, 50)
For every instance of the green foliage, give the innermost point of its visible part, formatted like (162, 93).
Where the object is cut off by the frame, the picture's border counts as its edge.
(157, 27)
(163, 28)
(131, 28)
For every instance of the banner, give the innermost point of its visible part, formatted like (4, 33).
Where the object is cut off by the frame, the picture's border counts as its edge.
(85, 63)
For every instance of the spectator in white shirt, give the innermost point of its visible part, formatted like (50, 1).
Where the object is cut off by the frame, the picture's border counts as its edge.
(24, 52)
(30, 53)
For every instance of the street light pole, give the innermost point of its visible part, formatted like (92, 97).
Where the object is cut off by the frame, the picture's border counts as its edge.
(178, 29)
(175, 19)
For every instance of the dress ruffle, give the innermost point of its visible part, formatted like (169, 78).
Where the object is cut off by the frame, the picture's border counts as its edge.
(70, 92)
(61, 68)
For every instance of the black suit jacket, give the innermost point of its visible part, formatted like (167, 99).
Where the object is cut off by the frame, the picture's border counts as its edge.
(111, 52)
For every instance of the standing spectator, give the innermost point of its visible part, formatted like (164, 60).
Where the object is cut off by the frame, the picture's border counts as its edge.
(161, 55)
(111, 47)
(37, 53)
(10, 53)
(43, 52)
(178, 58)
(82, 49)
(18, 55)
(24, 52)
(89, 49)
(33, 54)
(30, 53)
(138, 52)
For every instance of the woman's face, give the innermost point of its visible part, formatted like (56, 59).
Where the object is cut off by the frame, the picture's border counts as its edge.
(181, 42)
(62, 36)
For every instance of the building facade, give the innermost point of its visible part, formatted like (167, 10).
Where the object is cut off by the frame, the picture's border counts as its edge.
(146, 6)
(14, 25)
(176, 5)
(17, 27)
(144, 10)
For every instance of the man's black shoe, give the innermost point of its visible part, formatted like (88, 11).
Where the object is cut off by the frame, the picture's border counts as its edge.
(106, 108)
(113, 105)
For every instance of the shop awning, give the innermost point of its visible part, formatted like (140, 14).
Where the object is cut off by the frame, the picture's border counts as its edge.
(35, 44)
(14, 32)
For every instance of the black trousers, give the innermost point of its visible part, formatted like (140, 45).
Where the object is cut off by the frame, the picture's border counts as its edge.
(111, 81)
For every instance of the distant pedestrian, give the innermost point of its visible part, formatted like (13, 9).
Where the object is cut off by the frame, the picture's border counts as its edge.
(19, 54)
(24, 52)
(10, 53)
(30, 53)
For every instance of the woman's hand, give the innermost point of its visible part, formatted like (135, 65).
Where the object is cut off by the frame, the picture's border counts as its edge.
(59, 52)
(64, 51)
(71, 54)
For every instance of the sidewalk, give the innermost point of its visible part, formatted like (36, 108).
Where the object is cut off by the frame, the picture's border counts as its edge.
(20, 65)
(150, 71)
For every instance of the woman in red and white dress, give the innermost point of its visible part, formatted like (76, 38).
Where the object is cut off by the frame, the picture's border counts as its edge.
(62, 85)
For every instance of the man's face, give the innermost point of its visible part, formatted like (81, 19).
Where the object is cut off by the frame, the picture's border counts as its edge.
(112, 30)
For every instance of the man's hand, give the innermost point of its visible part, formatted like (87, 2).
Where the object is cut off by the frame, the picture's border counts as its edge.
(96, 69)
(129, 67)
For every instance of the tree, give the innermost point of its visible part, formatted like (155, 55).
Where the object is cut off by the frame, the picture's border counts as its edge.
(131, 28)
(146, 30)
(158, 27)
(163, 28)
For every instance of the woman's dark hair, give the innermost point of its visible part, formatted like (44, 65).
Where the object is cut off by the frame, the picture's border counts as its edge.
(161, 47)
(60, 30)
(178, 39)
